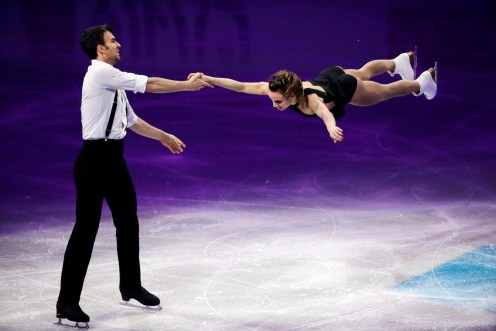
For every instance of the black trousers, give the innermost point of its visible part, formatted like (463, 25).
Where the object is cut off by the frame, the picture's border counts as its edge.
(100, 172)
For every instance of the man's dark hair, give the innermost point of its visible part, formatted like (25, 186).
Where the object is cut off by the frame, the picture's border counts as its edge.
(92, 37)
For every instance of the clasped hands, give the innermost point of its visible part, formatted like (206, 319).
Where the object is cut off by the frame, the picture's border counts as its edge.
(196, 82)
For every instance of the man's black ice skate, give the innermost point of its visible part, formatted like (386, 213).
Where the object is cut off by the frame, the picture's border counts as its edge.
(73, 313)
(147, 300)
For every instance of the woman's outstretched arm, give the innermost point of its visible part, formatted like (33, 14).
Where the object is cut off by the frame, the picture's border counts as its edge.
(261, 88)
(320, 109)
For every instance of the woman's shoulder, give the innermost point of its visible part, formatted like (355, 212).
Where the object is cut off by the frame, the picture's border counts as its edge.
(309, 85)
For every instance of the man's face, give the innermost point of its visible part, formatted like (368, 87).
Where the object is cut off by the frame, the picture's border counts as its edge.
(110, 51)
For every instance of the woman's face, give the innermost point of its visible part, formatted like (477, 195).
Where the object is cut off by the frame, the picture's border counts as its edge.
(279, 101)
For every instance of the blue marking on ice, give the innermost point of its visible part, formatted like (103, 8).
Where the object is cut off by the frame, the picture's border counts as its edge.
(468, 281)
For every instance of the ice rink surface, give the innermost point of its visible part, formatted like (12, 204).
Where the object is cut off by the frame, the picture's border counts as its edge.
(263, 223)
(230, 266)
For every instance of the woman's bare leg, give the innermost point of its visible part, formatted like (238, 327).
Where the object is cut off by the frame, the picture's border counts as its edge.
(369, 93)
(403, 65)
(371, 69)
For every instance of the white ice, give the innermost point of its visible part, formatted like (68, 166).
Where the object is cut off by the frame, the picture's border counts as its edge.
(232, 266)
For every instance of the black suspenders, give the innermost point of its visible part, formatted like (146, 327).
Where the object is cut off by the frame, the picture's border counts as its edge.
(112, 115)
(111, 119)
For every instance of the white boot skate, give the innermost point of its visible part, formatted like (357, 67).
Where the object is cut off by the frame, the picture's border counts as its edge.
(428, 83)
(405, 65)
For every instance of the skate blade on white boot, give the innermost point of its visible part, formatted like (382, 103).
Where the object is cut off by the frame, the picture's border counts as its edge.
(436, 73)
(405, 65)
(135, 304)
(433, 94)
(72, 325)
(415, 57)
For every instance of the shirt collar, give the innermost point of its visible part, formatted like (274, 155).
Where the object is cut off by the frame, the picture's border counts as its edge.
(95, 62)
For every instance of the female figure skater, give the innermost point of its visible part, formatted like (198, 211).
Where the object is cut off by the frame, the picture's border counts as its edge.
(326, 95)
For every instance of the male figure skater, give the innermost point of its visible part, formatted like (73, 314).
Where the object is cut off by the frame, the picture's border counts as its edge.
(100, 171)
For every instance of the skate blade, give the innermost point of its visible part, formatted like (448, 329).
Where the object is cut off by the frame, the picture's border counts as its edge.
(72, 325)
(139, 305)
(415, 57)
(436, 73)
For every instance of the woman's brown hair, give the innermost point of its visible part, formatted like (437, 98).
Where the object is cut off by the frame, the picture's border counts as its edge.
(288, 83)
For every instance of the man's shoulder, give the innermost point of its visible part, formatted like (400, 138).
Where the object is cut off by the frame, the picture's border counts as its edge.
(99, 68)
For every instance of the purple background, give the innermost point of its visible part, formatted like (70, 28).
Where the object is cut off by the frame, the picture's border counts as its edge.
(404, 151)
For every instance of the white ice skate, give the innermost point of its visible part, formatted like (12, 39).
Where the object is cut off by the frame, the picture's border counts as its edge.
(428, 83)
(405, 65)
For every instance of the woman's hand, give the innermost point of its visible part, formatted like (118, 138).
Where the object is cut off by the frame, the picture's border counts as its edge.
(336, 133)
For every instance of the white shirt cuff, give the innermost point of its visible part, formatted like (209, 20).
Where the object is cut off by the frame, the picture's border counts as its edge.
(140, 84)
